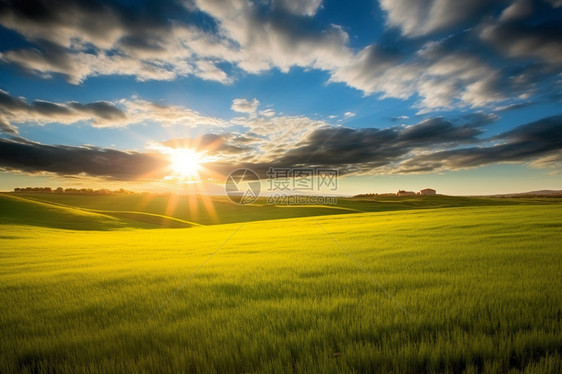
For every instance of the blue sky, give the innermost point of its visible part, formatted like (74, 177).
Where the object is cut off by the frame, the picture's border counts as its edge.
(462, 97)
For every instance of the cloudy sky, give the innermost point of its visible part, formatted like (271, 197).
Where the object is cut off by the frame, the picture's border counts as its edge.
(464, 97)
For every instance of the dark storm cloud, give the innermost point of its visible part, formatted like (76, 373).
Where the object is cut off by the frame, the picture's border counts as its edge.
(101, 109)
(18, 110)
(522, 144)
(48, 109)
(95, 19)
(547, 131)
(11, 103)
(528, 29)
(371, 147)
(436, 131)
(30, 157)
(432, 145)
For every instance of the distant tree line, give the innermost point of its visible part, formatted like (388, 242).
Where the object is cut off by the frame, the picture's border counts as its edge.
(92, 191)
(375, 194)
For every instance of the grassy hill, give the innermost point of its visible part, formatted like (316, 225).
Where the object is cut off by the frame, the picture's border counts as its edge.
(481, 286)
(200, 209)
(26, 210)
(20, 211)
(208, 210)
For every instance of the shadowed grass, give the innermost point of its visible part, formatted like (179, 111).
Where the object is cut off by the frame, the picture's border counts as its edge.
(22, 211)
(29, 211)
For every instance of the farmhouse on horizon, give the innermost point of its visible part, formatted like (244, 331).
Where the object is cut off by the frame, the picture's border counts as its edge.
(428, 191)
(405, 193)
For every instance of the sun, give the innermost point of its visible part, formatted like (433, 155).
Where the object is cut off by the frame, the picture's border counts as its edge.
(185, 162)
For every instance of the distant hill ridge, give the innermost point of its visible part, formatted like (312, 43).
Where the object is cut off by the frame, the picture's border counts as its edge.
(542, 193)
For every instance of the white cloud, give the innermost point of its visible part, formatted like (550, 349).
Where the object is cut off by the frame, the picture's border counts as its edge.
(142, 111)
(443, 79)
(209, 71)
(300, 7)
(78, 66)
(519, 9)
(275, 134)
(373, 70)
(279, 133)
(421, 17)
(267, 112)
(276, 42)
(245, 106)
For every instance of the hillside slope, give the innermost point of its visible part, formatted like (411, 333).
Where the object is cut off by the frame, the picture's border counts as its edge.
(19, 211)
(16, 210)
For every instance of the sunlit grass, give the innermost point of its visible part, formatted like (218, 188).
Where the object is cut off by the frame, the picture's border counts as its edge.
(482, 286)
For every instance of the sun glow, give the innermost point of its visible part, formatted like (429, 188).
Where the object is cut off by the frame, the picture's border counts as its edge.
(185, 162)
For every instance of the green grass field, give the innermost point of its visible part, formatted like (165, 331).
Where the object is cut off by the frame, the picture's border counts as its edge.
(98, 291)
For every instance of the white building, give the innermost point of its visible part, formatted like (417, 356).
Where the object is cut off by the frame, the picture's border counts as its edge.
(405, 193)
(428, 191)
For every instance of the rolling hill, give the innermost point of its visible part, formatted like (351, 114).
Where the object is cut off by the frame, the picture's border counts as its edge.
(16, 210)
(146, 210)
